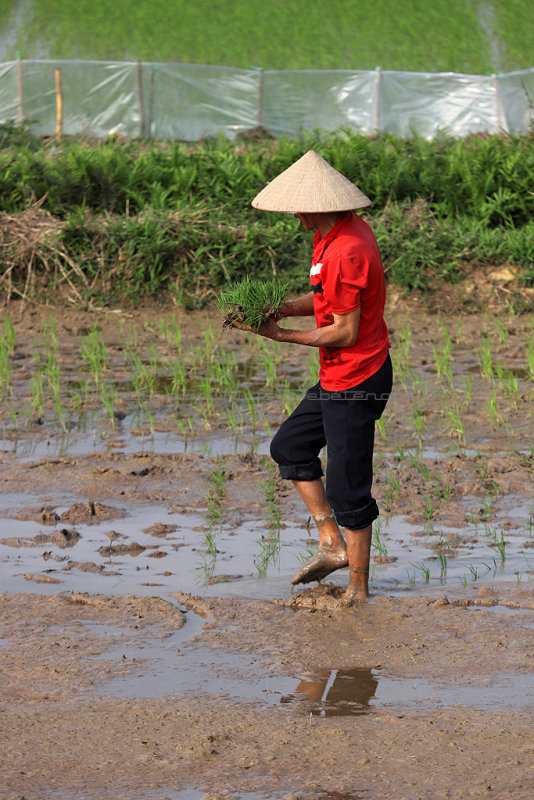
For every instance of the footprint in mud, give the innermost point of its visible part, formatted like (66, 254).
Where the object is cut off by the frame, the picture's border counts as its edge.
(132, 549)
(91, 512)
(45, 515)
(160, 529)
(222, 578)
(88, 512)
(156, 553)
(64, 537)
(322, 597)
(41, 578)
(90, 566)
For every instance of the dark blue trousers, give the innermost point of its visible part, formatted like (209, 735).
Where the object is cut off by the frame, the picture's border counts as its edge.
(345, 422)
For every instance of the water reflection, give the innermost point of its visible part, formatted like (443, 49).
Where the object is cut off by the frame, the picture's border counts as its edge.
(337, 692)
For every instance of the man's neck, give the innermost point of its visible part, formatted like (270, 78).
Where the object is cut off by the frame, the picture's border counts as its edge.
(327, 223)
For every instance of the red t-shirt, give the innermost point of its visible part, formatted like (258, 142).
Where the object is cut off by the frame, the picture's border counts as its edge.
(347, 273)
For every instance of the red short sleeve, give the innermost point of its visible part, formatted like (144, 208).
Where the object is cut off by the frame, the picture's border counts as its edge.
(343, 281)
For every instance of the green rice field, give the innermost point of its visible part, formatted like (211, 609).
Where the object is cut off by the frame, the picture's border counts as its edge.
(446, 35)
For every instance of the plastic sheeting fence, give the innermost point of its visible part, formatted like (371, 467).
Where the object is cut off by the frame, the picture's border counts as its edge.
(191, 102)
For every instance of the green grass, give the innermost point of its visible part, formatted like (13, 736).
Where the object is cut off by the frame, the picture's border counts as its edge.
(141, 218)
(295, 34)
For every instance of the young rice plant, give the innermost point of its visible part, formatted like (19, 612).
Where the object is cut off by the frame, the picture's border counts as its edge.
(249, 302)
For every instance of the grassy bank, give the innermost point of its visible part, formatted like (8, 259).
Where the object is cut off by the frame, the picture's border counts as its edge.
(137, 219)
(446, 35)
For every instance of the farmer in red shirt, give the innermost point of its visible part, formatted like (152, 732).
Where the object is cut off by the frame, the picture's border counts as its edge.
(347, 299)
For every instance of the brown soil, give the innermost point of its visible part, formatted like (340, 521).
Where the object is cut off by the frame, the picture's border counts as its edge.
(61, 735)
(64, 734)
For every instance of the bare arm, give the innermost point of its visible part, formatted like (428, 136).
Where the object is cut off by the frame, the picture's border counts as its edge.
(300, 307)
(341, 333)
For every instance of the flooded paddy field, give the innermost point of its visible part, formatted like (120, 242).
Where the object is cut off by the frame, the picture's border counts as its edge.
(151, 645)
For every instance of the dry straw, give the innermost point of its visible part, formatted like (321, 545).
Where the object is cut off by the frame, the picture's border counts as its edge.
(28, 240)
(310, 185)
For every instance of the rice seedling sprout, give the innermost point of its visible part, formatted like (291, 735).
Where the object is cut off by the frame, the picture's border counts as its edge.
(109, 398)
(381, 427)
(455, 427)
(5, 368)
(270, 544)
(250, 301)
(401, 353)
(486, 359)
(94, 354)
(425, 571)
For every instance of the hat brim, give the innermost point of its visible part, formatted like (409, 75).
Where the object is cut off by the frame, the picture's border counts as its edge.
(310, 186)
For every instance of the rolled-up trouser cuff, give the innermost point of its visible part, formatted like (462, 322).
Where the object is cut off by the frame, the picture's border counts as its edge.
(301, 472)
(359, 518)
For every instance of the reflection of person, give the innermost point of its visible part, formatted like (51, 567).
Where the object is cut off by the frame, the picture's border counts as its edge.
(347, 298)
(334, 689)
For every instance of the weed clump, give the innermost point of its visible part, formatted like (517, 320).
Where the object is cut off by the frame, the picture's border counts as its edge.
(249, 302)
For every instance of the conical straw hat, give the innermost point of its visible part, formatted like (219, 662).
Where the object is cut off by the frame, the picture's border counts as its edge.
(310, 185)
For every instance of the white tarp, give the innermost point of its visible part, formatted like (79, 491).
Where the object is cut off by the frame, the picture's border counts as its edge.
(416, 102)
(309, 100)
(516, 101)
(190, 102)
(9, 106)
(99, 98)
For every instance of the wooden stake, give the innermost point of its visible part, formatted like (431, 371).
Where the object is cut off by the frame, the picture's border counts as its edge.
(378, 110)
(151, 101)
(59, 105)
(260, 101)
(140, 95)
(497, 104)
(19, 91)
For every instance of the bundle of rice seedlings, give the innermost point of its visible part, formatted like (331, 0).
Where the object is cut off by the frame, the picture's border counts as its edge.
(250, 301)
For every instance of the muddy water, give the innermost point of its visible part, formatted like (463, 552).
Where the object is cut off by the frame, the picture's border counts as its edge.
(172, 499)
(123, 555)
(453, 464)
(179, 664)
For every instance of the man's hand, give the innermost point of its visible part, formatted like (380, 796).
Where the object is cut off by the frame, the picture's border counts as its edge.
(342, 332)
(268, 328)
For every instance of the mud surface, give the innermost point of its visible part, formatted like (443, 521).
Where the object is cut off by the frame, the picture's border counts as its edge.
(70, 731)
(150, 643)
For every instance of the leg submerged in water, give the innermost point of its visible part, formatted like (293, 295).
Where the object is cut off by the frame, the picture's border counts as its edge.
(332, 552)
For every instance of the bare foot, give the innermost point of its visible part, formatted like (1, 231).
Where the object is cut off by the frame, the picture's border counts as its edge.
(354, 594)
(326, 560)
(358, 588)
